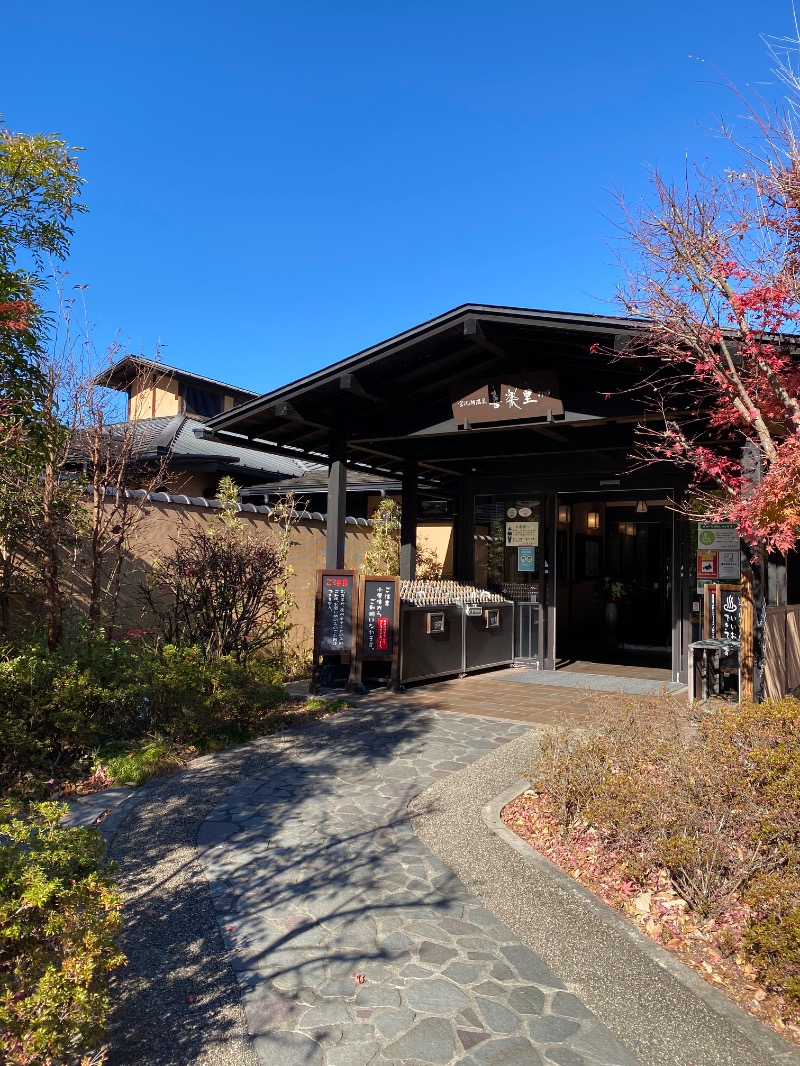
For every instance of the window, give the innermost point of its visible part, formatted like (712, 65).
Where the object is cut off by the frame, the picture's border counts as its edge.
(199, 402)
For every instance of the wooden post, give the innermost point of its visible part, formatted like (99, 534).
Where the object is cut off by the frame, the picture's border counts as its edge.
(746, 646)
(408, 522)
(337, 503)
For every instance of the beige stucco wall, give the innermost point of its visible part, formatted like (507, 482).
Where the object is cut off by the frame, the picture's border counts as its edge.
(165, 522)
(438, 538)
(159, 398)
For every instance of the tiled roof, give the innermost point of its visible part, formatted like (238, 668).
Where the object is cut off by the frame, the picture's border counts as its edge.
(175, 436)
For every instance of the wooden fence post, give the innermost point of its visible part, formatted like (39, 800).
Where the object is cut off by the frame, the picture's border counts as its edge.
(747, 621)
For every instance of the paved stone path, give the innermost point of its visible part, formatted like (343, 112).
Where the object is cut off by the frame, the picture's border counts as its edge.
(352, 943)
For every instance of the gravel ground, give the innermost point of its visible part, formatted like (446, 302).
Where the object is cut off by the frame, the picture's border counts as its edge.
(654, 1014)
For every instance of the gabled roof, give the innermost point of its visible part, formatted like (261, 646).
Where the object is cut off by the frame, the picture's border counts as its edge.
(126, 370)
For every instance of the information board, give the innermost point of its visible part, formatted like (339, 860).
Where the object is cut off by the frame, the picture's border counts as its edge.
(526, 559)
(335, 598)
(522, 534)
(718, 555)
(378, 626)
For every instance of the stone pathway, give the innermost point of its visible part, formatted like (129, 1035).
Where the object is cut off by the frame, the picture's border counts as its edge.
(352, 943)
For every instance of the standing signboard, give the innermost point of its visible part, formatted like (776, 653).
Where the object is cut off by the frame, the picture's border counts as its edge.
(334, 615)
(378, 627)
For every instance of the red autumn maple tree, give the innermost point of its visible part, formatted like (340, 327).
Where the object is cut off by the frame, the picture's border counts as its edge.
(713, 272)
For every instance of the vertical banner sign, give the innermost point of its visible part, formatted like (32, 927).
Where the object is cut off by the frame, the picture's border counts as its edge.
(378, 633)
(335, 592)
(729, 602)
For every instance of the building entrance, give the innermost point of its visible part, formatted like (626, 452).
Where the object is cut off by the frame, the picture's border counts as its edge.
(611, 596)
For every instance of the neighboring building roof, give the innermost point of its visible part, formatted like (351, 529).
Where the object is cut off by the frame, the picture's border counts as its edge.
(126, 370)
(177, 437)
(315, 480)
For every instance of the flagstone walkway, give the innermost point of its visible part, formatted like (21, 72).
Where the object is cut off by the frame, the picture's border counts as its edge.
(352, 943)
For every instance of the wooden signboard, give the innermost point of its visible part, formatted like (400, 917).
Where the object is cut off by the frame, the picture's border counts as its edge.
(535, 396)
(334, 616)
(728, 614)
(722, 612)
(378, 632)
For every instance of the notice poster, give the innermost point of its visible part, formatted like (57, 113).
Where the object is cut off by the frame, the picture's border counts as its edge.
(526, 559)
(718, 545)
(377, 638)
(522, 534)
(707, 564)
(336, 613)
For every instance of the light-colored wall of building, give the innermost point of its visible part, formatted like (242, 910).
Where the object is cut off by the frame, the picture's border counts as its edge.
(438, 538)
(163, 523)
(154, 398)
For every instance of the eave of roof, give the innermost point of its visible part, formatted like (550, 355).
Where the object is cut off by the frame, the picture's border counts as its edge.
(126, 369)
(351, 364)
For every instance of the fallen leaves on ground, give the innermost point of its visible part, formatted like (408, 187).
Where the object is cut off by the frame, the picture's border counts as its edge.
(711, 947)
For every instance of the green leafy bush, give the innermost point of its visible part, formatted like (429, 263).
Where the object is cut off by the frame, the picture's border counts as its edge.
(57, 707)
(717, 806)
(59, 915)
(193, 699)
(132, 762)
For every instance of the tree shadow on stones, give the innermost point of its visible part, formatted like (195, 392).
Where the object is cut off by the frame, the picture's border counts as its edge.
(179, 996)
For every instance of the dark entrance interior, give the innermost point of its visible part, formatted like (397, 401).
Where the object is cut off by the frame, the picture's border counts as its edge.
(614, 580)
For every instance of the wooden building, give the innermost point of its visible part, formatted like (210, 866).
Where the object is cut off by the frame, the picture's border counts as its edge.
(512, 417)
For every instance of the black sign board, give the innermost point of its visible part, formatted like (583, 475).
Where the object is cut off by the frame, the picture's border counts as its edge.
(729, 605)
(378, 632)
(722, 611)
(335, 599)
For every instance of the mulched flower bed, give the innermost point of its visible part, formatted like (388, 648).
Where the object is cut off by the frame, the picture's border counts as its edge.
(709, 947)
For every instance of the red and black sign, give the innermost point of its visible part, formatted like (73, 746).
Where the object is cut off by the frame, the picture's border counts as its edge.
(378, 627)
(335, 612)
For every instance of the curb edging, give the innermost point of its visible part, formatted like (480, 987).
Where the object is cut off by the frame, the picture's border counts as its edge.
(751, 1029)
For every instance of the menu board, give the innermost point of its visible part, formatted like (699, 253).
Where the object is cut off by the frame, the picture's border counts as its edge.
(335, 612)
(378, 632)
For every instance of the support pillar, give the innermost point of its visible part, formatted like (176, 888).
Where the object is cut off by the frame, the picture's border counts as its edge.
(548, 537)
(464, 563)
(682, 591)
(408, 521)
(337, 495)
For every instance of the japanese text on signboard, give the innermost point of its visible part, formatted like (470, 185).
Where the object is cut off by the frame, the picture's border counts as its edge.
(379, 607)
(337, 614)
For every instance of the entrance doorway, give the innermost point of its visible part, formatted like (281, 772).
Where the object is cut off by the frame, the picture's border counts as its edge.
(614, 581)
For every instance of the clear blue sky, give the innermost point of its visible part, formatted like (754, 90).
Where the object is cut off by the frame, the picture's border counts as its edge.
(274, 186)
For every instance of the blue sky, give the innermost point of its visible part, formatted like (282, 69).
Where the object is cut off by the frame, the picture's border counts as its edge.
(274, 186)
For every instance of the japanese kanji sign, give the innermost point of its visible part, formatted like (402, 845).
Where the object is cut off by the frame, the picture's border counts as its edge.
(535, 396)
(377, 638)
(335, 620)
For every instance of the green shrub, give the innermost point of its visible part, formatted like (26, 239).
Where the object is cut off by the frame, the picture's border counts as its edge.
(132, 762)
(59, 915)
(718, 807)
(56, 707)
(195, 700)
